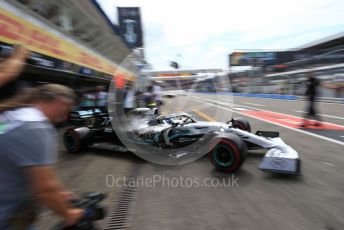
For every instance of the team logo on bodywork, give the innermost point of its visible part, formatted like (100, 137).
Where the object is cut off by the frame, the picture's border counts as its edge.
(278, 163)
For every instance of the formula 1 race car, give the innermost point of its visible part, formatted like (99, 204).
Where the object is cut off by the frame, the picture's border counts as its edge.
(225, 143)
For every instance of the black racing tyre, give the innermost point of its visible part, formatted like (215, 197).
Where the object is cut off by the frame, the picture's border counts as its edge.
(76, 139)
(241, 123)
(229, 154)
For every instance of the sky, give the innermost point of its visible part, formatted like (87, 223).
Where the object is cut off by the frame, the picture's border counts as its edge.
(201, 34)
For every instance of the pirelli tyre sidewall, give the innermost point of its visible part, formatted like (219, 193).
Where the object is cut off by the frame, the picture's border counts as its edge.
(228, 154)
(241, 123)
(76, 139)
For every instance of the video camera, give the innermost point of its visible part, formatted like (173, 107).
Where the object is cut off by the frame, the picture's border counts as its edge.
(93, 212)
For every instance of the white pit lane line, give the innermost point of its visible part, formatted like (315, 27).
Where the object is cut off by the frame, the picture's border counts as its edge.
(249, 107)
(323, 115)
(297, 111)
(245, 106)
(241, 109)
(328, 163)
(248, 103)
(271, 122)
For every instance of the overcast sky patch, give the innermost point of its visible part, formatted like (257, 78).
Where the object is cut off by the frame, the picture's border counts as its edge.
(201, 34)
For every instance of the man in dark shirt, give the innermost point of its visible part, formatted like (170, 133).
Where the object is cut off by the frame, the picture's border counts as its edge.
(311, 94)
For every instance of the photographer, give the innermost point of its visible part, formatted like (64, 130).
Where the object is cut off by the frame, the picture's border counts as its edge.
(28, 154)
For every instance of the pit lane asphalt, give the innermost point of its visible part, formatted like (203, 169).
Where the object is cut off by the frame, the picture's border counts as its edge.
(313, 200)
(329, 112)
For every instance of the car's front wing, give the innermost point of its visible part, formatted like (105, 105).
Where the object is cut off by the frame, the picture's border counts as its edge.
(280, 157)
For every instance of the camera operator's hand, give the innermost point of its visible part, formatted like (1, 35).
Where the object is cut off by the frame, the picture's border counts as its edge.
(73, 216)
(68, 195)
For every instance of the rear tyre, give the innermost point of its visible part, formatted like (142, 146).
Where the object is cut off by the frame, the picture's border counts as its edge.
(241, 123)
(76, 140)
(228, 154)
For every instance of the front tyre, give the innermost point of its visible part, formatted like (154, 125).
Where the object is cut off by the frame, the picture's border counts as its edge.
(228, 154)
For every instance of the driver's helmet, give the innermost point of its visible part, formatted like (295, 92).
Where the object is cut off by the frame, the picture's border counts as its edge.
(169, 121)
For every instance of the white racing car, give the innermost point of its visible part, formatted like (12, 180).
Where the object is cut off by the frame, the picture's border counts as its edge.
(181, 135)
